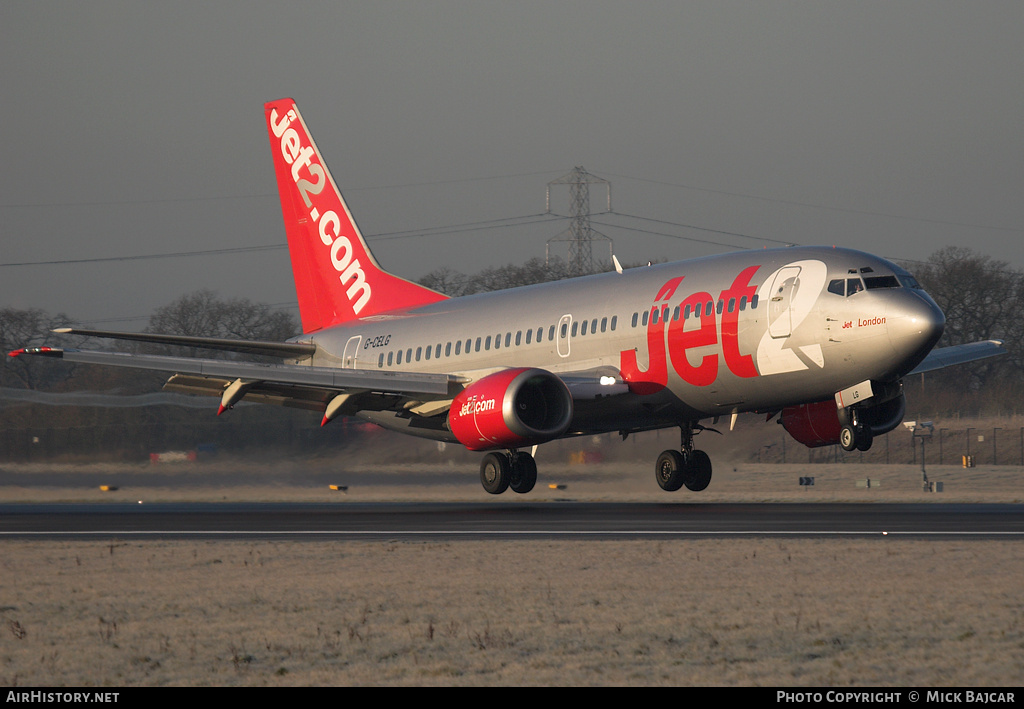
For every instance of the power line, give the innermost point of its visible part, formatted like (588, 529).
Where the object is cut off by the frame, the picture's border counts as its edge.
(811, 205)
(703, 228)
(430, 231)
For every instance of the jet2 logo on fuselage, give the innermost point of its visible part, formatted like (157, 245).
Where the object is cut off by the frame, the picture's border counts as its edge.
(668, 339)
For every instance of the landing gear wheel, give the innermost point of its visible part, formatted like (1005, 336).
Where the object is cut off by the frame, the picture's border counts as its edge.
(848, 438)
(670, 470)
(495, 472)
(523, 474)
(699, 471)
(864, 440)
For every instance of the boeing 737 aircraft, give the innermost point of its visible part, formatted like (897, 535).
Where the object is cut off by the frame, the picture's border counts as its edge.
(821, 337)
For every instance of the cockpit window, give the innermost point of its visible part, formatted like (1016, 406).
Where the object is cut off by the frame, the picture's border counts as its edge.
(873, 282)
(846, 287)
(908, 281)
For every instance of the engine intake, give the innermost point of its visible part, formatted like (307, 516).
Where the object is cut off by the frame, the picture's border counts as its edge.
(512, 408)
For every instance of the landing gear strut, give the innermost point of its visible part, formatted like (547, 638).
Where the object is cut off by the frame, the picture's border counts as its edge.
(513, 469)
(686, 466)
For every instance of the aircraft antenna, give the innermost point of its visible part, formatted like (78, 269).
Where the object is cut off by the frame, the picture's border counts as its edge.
(580, 235)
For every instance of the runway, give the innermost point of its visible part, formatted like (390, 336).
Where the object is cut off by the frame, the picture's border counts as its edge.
(453, 521)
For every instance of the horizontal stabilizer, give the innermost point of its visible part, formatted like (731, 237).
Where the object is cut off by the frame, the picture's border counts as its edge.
(290, 350)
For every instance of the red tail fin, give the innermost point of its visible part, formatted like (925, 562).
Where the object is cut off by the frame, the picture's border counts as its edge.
(336, 276)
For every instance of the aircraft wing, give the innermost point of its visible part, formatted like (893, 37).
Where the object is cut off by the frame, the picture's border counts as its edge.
(294, 385)
(959, 354)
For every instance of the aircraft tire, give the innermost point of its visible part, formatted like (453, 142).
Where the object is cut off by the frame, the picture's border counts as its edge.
(865, 439)
(848, 438)
(699, 471)
(495, 472)
(670, 470)
(523, 473)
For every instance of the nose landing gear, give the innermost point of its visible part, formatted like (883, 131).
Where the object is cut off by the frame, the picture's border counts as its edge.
(855, 433)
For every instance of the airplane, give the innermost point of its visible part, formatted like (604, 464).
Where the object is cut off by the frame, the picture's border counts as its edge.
(820, 337)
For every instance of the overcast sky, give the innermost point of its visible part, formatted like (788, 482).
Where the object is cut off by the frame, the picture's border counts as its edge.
(136, 129)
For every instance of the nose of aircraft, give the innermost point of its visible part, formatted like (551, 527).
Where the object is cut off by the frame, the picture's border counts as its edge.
(915, 323)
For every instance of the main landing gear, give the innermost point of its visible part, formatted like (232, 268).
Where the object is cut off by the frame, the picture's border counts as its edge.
(855, 434)
(686, 466)
(513, 469)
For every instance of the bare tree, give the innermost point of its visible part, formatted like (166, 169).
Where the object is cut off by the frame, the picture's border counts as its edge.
(204, 314)
(30, 328)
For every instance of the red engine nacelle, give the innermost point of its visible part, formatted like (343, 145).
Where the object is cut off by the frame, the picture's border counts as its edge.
(510, 409)
(812, 424)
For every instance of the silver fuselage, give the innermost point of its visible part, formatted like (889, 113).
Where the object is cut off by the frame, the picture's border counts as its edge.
(775, 328)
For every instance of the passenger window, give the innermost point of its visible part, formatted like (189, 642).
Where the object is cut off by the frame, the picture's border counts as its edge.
(391, 358)
(478, 343)
(753, 301)
(418, 349)
(721, 305)
(583, 330)
(458, 347)
(634, 319)
(551, 333)
(593, 326)
(708, 309)
(519, 337)
(732, 305)
(380, 360)
(487, 343)
(529, 337)
(429, 350)
(604, 324)
(448, 350)
(675, 314)
(615, 319)
(686, 313)
(654, 316)
(408, 355)
(437, 350)
(575, 327)
(565, 329)
(497, 342)
(743, 303)
(399, 361)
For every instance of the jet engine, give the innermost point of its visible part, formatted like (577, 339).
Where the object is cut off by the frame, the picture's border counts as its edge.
(512, 408)
(818, 424)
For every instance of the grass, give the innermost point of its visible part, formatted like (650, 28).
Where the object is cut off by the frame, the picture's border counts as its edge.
(809, 612)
